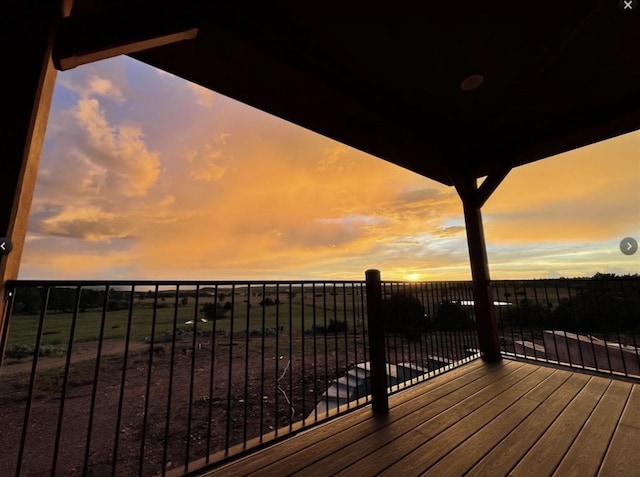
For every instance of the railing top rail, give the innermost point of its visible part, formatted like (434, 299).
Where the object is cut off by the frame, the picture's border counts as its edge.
(162, 283)
(68, 283)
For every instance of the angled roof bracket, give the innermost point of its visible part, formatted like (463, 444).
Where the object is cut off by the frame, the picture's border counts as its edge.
(468, 189)
(87, 38)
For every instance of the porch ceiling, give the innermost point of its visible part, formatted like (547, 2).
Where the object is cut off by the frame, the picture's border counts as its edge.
(386, 79)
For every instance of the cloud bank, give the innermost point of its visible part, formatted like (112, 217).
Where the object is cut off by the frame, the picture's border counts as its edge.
(144, 175)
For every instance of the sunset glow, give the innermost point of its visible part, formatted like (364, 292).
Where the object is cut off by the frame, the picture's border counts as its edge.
(146, 176)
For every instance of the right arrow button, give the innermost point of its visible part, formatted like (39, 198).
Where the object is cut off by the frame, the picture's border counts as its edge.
(628, 245)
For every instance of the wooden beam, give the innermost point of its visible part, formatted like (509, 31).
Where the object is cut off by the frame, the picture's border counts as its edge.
(66, 7)
(92, 37)
(29, 90)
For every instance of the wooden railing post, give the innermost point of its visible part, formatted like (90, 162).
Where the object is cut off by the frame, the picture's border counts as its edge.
(375, 326)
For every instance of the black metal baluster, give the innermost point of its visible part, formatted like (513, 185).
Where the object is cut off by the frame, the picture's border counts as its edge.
(602, 312)
(65, 381)
(145, 414)
(566, 341)
(548, 307)
(326, 346)
(230, 372)
(315, 356)
(212, 364)
(96, 374)
(264, 331)
(291, 336)
(620, 322)
(304, 370)
(7, 313)
(335, 335)
(123, 382)
(276, 413)
(346, 340)
(32, 378)
(630, 318)
(365, 340)
(354, 314)
(167, 428)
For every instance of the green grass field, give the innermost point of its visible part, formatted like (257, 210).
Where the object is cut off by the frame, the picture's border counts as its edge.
(288, 317)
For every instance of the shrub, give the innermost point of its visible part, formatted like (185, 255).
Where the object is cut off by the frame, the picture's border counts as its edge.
(404, 314)
(335, 326)
(213, 311)
(451, 316)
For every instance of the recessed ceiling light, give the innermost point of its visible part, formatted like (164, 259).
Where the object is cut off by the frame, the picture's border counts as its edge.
(471, 82)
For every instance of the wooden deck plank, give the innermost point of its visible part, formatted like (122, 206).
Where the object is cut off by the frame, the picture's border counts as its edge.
(622, 457)
(503, 457)
(437, 442)
(512, 418)
(587, 451)
(463, 457)
(389, 446)
(358, 423)
(547, 453)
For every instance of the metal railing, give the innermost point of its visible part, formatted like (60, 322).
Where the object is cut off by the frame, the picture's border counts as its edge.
(426, 332)
(165, 378)
(143, 377)
(157, 378)
(589, 324)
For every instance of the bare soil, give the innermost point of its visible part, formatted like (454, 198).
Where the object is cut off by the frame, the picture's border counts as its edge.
(154, 412)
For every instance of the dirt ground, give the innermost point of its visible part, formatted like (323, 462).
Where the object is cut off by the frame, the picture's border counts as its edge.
(130, 430)
(171, 404)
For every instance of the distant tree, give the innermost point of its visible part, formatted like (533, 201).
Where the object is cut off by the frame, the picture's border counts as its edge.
(184, 300)
(450, 315)
(267, 302)
(336, 325)
(213, 311)
(404, 313)
(91, 299)
(28, 300)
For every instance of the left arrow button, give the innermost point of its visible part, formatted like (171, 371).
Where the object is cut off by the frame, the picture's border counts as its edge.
(5, 246)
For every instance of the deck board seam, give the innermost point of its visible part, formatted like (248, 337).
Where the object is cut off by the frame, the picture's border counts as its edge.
(618, 423)
(480, 368)
(538, 403)
(546, 428)
(427, 404)
(592, 381)
(584, 424)
(615, 431)
(444, 429)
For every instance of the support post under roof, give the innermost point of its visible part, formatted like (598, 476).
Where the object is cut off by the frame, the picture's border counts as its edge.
(28, 87)
(473, 198)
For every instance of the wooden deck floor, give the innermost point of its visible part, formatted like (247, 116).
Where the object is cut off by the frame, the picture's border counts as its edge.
(511, 418)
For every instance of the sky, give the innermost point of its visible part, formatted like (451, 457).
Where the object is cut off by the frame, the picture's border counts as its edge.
(144, 175)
